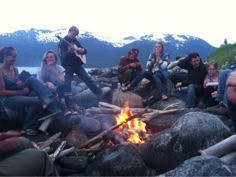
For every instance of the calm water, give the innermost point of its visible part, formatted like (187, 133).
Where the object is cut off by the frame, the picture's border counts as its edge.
(32, 70)
(35, 70)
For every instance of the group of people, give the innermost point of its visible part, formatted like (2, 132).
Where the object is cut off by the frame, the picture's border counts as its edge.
(33, 97)
(198, 84)
(156, 69)
(197, 78)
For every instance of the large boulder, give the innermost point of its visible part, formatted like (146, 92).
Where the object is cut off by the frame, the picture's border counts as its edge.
(119, 98)
(202, 166)
(87, 99)
(190, 133)
(119, 160)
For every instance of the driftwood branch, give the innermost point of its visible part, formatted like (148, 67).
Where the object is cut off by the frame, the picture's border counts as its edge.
(107, 108)
(224, 147)
(55, 155)
(94, 148)
(108, 105)
(49, 141)
(96, 110)
(49, 116)
(149, 116)
(102, 134)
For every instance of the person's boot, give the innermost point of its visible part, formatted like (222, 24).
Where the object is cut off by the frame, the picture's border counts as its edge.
(69, 105)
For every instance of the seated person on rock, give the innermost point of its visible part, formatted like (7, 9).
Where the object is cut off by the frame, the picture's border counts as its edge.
(194, 83)
(129, 67)
(18, 157)
(156, 71)
(52, 74)
(210, 85)
(15, 89)
(221, 94)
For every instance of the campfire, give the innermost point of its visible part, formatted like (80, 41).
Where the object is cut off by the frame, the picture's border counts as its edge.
(133, 131)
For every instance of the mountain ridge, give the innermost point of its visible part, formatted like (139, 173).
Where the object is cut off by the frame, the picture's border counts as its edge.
(102, 52)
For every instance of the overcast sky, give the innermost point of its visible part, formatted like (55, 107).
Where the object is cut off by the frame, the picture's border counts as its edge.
(211, 20)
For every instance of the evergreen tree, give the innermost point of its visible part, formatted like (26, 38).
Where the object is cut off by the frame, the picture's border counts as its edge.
(225, 42)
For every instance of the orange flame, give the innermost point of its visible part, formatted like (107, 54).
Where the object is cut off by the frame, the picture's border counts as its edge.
(134, 127)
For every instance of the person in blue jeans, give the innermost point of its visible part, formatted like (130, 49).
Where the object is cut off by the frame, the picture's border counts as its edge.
(71, 53)
(156, 71)
(15, 89)
(193, 84)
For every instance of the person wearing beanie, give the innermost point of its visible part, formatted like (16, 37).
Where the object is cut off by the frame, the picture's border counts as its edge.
(129, 66)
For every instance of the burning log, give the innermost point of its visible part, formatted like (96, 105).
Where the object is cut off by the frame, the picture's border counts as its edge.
(224, 147)
(102, 134)
(95, 110)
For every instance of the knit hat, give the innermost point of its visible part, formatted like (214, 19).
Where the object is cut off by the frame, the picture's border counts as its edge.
(134, 52)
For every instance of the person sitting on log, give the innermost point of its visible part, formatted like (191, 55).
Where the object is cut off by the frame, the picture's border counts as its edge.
(193, 85)
(15, 89)
(210, 85)
(52, 74)
(18, 157)
(129, 67)
(156, 70)
(221, 94)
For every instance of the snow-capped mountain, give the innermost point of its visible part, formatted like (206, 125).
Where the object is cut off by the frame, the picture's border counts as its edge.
(102, 51)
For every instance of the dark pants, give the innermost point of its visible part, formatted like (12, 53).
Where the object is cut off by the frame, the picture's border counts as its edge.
(193, 93)
(208, 99)
(178, 77)
(35, 85)
(28, 108)
(127, 76)
(190, 95)
(157, 78)
(82, 74)
(222, 87)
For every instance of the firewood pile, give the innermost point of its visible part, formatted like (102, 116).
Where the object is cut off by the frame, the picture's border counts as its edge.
(120, 150)
(59, 147)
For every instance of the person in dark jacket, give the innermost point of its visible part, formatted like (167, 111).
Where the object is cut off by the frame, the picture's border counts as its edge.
(129, 67)
(72, 55)
(197, 72)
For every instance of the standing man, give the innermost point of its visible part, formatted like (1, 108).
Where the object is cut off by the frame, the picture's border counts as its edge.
(72, 55)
